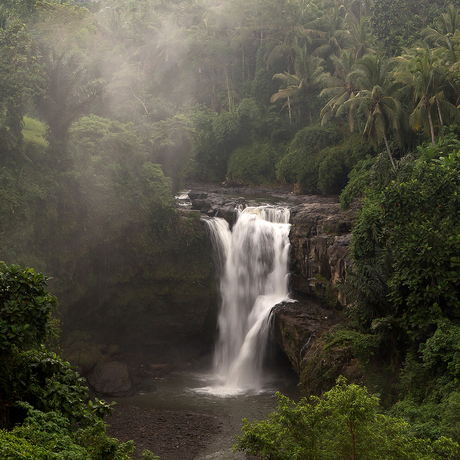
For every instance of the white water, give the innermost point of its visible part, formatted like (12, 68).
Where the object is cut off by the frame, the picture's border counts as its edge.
(253, 260)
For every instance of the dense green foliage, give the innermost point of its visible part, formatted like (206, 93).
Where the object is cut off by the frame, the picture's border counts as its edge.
(202, 83)
(408, 231)
(343, 423)
(403, 291)
(107, 108)
(25, 309)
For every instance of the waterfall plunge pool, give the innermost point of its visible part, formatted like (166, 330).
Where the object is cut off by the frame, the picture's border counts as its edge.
(183, 391)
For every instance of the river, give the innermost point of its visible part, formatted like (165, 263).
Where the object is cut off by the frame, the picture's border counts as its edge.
(189, 391)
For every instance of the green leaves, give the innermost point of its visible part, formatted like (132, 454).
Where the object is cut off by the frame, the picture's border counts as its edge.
(20, 80)
(25, 308)
(423, 213)
(344, 424)
(412, 225)
(45, 436)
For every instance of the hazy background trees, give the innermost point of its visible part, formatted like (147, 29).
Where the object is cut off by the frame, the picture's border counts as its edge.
(108, 108)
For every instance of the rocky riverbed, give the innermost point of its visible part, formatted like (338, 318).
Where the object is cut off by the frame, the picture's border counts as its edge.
(172, 435)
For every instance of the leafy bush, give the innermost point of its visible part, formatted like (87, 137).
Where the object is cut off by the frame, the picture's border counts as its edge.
(253, 164)
(300, 163)
(320, 158)
(61, 422)
(25, 308)
(411, 224)
(404, 286)
(215, 137)
(45, 436)
(29, 372)
(344, 423)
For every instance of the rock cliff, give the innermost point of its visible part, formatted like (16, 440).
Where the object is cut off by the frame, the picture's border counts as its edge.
(157, 304)
(320, 236)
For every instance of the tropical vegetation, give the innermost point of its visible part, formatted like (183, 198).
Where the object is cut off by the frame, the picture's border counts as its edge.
(107, 108)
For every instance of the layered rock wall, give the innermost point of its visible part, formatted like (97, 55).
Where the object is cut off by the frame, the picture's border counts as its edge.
(320, 237)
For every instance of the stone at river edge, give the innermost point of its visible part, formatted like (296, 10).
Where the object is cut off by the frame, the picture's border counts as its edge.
(215, 205)
(111, 379)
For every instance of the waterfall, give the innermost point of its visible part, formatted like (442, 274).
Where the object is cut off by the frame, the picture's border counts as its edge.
(253, 264)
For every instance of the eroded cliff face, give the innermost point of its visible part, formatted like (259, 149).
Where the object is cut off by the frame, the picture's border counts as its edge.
(320, 237)
(301, 330)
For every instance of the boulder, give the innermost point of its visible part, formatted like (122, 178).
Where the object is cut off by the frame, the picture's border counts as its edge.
(301, 330)
(111, 379)
(215, 205)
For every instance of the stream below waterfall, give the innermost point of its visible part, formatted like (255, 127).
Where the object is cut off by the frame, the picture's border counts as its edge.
(181, 391)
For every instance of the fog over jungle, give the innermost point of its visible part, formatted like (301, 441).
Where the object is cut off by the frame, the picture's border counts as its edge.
(345, 112)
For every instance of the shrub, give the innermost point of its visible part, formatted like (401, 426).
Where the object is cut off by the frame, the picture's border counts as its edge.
(344, 423)
(253, 164)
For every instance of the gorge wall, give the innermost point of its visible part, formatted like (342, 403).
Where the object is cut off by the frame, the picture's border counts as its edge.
(320, 238)
(158, 306)
(140, 300)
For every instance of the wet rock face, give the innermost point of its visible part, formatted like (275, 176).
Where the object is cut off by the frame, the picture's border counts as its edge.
(299, 326)
(320, 237)
(301, 330)
(215, 205)
(222, 201)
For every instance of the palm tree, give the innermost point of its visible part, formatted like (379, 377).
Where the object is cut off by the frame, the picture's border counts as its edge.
(334, 36)
(378, 95)
(289, 91)
(442, 34)
(360, 37)
(296, 85)
(3, 16)
(341, 87)
(421, 71)
(68, 95)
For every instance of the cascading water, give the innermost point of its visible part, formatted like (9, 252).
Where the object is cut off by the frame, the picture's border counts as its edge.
(253, 260)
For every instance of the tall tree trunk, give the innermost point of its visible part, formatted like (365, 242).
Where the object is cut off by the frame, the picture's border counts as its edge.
(242, 61)
(441, 124)
(353, 440)
(389, 151)
(359, 124)
(229, 94)
(289, 108)
(213, 97)
(428, 110)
